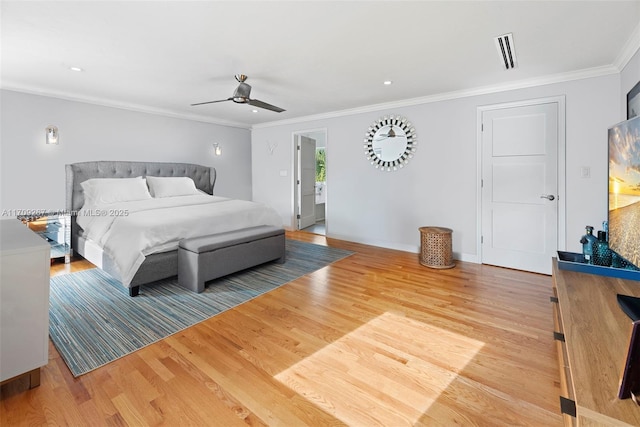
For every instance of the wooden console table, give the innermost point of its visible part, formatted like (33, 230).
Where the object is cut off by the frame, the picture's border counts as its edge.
(593, 335)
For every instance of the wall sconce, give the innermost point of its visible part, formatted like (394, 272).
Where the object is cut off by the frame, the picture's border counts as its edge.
(271, 147)
(216, 149)
(51, 134)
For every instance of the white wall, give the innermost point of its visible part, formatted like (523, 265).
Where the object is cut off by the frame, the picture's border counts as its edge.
(32, 173)
(438, 187)
(364, 205)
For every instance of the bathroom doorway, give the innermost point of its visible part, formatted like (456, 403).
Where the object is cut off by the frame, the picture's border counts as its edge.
(310, 180)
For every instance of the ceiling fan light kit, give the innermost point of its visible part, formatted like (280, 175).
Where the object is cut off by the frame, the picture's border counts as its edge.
(242, 95)
(390, 142)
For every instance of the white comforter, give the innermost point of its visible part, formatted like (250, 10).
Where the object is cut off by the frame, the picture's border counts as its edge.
(127, 232)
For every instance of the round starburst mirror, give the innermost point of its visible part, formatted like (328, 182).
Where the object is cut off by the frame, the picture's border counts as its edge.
(390, 142)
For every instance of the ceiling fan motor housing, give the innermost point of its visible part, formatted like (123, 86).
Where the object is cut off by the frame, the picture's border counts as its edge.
(242, 93)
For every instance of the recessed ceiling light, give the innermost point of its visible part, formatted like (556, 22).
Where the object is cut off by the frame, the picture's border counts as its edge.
(254, 111)
(78, 69)
(387, 82)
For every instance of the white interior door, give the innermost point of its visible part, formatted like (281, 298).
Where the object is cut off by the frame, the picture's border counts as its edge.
(307, 182)
(520, 187)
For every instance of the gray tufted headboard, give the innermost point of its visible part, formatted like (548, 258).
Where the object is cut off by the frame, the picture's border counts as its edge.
(203, 176)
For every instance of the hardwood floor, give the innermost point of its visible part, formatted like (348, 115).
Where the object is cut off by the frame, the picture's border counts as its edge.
(373, 339)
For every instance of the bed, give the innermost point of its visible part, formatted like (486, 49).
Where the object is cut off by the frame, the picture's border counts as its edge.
(136, 241)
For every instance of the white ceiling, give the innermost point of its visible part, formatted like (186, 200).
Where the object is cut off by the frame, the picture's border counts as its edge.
(312, 58)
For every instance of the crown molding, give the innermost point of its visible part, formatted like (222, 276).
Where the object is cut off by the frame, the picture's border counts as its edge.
(629, 49)
(121, 105)
(485, 90)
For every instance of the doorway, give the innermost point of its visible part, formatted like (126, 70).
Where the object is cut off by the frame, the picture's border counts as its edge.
(310, 172)
(521, 184)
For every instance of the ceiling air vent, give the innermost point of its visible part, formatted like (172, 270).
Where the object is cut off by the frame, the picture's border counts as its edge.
(506, 51)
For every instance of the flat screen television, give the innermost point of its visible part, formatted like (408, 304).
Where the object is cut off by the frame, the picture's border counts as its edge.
(624, 234)
(624, 191)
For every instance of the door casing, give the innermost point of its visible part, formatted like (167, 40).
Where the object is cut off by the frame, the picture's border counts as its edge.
(561, 166)
(295, 202)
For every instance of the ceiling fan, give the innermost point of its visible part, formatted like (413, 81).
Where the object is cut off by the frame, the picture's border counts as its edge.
(241, 96)
(390, 134)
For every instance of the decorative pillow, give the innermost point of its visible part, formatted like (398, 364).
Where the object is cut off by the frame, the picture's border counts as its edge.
(171, 186)
(100, 191)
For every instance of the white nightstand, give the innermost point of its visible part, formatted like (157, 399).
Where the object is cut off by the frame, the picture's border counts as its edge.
(24, 302)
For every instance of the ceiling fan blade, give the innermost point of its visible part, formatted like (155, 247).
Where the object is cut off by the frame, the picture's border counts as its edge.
(212, 102)
(257, 103)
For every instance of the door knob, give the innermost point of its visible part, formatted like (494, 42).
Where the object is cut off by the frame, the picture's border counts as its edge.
(548, 196)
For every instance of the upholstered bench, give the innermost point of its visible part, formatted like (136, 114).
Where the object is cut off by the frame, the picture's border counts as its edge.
(205, 258)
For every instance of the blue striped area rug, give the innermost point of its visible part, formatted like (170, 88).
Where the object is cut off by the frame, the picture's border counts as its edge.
(94, 321)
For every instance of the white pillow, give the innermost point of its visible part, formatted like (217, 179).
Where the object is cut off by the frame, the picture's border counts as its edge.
(100, 191)
(171, 186)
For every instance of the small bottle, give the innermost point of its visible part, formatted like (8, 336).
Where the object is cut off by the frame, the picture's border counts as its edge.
(605, 228)
(601, 252)
(588, 241)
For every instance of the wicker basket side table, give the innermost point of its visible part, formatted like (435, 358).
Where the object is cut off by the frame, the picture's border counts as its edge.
(435, 247)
